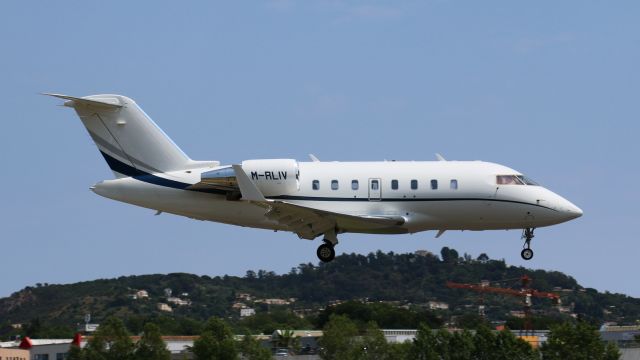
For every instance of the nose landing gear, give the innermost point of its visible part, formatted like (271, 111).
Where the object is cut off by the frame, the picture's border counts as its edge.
(527, 235)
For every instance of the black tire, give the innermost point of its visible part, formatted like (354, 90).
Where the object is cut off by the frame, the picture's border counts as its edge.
(527, 254)
(326, 253)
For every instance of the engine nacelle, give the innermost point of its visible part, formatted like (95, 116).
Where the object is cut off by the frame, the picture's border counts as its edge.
(273, 177)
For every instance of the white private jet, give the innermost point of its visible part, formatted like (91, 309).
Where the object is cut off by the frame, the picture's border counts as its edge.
(311, 198)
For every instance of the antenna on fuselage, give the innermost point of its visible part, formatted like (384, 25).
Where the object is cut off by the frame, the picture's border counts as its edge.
(440, 157)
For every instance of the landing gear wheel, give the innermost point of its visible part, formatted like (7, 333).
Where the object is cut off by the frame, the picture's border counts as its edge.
(325, 252)
(527, 254)
(527, 235)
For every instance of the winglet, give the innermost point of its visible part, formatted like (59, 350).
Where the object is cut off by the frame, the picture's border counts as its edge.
(72, 101)
(249, 190)
(440, 157)
(313, 158)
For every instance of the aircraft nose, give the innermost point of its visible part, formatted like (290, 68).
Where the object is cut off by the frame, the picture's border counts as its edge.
(569, 210)
(564, 209)
(574, 211)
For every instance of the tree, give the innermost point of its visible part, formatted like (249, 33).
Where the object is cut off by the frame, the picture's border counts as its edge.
(577, 341)
(110, 342)
(470, 321)
(611, 352)
(216, 342)
(424, 345)
(75, 353)
(400, 350)
(267, 323)
(252, 350)
(384, 315)
(374, 345)
(442, 339)
(484, 343)
(33, 329)
(151, 346)
(461, 345)
(508, 346)
(339, 339)
(449, 256)
(285, 339)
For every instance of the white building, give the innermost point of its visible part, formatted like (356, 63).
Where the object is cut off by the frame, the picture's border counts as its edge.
(274, 301)
(40, 349)
(399, 335)
(247, 312)
(178, 301)
(87, 328)
(437, 305)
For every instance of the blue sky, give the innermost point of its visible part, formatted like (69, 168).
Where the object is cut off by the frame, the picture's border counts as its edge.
(549, 88)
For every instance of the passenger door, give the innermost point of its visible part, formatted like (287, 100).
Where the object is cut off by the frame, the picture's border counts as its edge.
(374, 189)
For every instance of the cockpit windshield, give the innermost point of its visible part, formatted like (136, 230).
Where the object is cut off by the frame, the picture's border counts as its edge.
(514, 180)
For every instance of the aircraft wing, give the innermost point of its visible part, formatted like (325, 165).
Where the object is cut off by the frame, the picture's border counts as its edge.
(308, 222)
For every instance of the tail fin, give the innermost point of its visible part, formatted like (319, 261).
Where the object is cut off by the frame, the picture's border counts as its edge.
(131, 143)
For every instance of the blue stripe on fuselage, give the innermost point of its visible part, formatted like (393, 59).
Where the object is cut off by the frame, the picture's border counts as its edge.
(128, 170)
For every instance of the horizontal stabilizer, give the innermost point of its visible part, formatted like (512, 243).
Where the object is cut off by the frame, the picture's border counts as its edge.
(74, 101)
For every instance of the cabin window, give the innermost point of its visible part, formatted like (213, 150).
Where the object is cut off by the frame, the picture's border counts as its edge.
(394, 184)
(315, 185)
(355, 185)
(454, 184)
(414, 184)
(434, 184)
(375, 185)
(334, 184)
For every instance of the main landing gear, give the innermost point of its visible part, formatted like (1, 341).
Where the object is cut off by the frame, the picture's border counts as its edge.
(527, 235)
(326, 251)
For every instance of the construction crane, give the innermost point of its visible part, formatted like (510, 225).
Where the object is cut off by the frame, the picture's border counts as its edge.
(525, 292)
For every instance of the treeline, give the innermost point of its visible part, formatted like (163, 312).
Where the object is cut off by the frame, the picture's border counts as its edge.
(408, 279)
(112, 341)
(344, 339)
(386, 316)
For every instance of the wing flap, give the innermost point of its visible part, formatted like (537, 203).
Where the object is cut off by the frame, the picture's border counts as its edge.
(309, 223)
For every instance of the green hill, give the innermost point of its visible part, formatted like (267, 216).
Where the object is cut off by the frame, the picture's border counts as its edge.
(402, 280)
